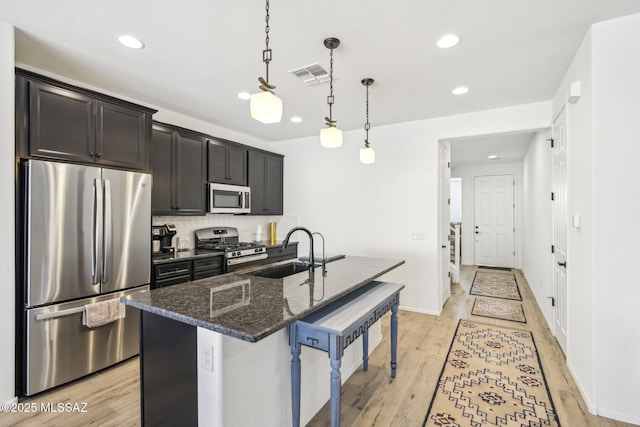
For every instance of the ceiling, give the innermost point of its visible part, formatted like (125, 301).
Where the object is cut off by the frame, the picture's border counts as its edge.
(200, 53)
(510, 148)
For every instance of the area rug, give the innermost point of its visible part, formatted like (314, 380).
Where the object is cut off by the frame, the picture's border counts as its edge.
(492, 377)
(496, 285)
(504, 310)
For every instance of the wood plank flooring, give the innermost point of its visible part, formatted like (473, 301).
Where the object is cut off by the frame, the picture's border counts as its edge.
(369, 398)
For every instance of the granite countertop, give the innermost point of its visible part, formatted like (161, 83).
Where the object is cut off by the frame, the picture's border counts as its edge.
(250, 307)
(185, 255)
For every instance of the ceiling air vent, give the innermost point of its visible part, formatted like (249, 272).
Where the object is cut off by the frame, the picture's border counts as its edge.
(311, 75)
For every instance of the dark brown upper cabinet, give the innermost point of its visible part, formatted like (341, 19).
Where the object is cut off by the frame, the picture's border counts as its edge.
(179, 170)
(60, 122)
(227, 162)
(265, 180)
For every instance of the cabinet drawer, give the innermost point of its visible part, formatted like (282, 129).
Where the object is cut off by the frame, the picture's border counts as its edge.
(172, 280)
(206, 273)
(173, 269)
(208, 263)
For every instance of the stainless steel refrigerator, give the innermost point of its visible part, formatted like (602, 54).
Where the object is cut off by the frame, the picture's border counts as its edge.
(87, 240)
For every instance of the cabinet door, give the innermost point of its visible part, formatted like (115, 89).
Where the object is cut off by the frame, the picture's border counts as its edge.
(273, 196)
(162, 171)
(217, 152)
(257, 180)
(237, 164)
(61, 123)
(191, 163)
(121, 137)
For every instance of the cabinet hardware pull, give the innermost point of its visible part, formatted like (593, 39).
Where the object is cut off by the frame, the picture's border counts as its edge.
(91, 154)
(98, 154)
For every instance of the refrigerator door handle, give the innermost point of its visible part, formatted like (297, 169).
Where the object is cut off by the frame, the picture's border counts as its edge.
(97, 235)
(61, 313)
(108, 233)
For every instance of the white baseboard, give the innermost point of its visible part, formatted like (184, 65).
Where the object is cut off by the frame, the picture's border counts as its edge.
(11, 401)
(626, 418)
(419, 310)
(590, 406)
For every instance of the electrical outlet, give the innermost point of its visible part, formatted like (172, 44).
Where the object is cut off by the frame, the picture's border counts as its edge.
(206, 356)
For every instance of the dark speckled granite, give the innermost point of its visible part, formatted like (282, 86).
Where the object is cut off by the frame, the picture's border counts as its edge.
(250, 307)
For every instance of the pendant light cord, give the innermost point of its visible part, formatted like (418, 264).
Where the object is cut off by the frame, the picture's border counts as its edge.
(266, 56)
(331, 43)
(367, 125)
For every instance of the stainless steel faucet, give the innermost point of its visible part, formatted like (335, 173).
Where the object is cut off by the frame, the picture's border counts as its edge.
(285, 243)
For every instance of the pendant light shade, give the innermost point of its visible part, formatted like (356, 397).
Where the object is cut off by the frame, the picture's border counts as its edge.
(331, 136)
(367, 155)
(266, 107)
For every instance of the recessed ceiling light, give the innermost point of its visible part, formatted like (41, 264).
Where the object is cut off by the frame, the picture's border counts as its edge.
(460, 90)
(450, 40)
(244, 95)
(130, 41)
(296, 119)
(493, 157)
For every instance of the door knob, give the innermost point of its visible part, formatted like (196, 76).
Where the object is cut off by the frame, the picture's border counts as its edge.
(563, 264)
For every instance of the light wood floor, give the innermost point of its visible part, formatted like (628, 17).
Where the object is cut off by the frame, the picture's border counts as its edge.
(369, 398)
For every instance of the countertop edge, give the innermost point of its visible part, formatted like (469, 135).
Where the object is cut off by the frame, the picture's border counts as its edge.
(262, 334)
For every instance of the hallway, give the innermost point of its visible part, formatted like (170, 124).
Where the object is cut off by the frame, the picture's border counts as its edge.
(372, 399)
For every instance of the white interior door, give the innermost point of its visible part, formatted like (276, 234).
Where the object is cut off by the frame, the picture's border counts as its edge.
(494, 220)
(445, 215)
(559, 219)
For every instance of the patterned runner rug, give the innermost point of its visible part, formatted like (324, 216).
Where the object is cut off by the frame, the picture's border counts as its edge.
(492, 376)
(504, 310)
(496, 285)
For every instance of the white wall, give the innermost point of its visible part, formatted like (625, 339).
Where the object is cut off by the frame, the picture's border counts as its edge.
(467, 174)
(616, 150)
(456, 200)
(374, 209)
(7, 214)
(580, 301)
(536, 221)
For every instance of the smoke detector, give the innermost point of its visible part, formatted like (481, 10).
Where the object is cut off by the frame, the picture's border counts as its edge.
(311, 75)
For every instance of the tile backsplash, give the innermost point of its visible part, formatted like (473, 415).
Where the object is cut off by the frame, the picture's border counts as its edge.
(247, 226)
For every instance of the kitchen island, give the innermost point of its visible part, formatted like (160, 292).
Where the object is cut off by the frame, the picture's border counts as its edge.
(216, 351)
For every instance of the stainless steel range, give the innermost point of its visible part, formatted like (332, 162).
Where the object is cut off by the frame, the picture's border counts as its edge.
(237, 254)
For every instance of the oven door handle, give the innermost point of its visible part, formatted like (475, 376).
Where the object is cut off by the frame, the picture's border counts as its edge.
(248, 258)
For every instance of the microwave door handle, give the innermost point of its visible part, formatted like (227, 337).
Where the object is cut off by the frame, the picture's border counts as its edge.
(247, 201)
(108, 233)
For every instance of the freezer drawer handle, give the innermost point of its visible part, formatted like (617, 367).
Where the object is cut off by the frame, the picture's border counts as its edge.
(61, 313)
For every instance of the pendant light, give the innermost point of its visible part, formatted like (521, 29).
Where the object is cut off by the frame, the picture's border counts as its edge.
(367, 155)
(265, 106)
(331, 136)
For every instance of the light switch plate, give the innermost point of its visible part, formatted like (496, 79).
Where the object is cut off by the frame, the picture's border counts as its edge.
(418, 235)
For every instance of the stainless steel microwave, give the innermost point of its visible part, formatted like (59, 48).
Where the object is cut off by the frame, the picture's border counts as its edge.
(233, 199)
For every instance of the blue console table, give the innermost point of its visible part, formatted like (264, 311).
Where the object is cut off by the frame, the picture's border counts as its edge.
(334, 328)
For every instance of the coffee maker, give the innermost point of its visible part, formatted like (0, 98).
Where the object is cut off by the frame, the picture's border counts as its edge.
(162, 239)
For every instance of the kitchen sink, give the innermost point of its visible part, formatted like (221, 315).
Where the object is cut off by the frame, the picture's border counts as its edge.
(281, 271)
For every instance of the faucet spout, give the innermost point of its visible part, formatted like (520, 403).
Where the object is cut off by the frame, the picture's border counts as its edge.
(285, 243)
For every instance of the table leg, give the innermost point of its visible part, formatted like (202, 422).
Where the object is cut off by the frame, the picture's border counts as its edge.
(335, 390)
(365, 350)
(295, 382)
(394, 339)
